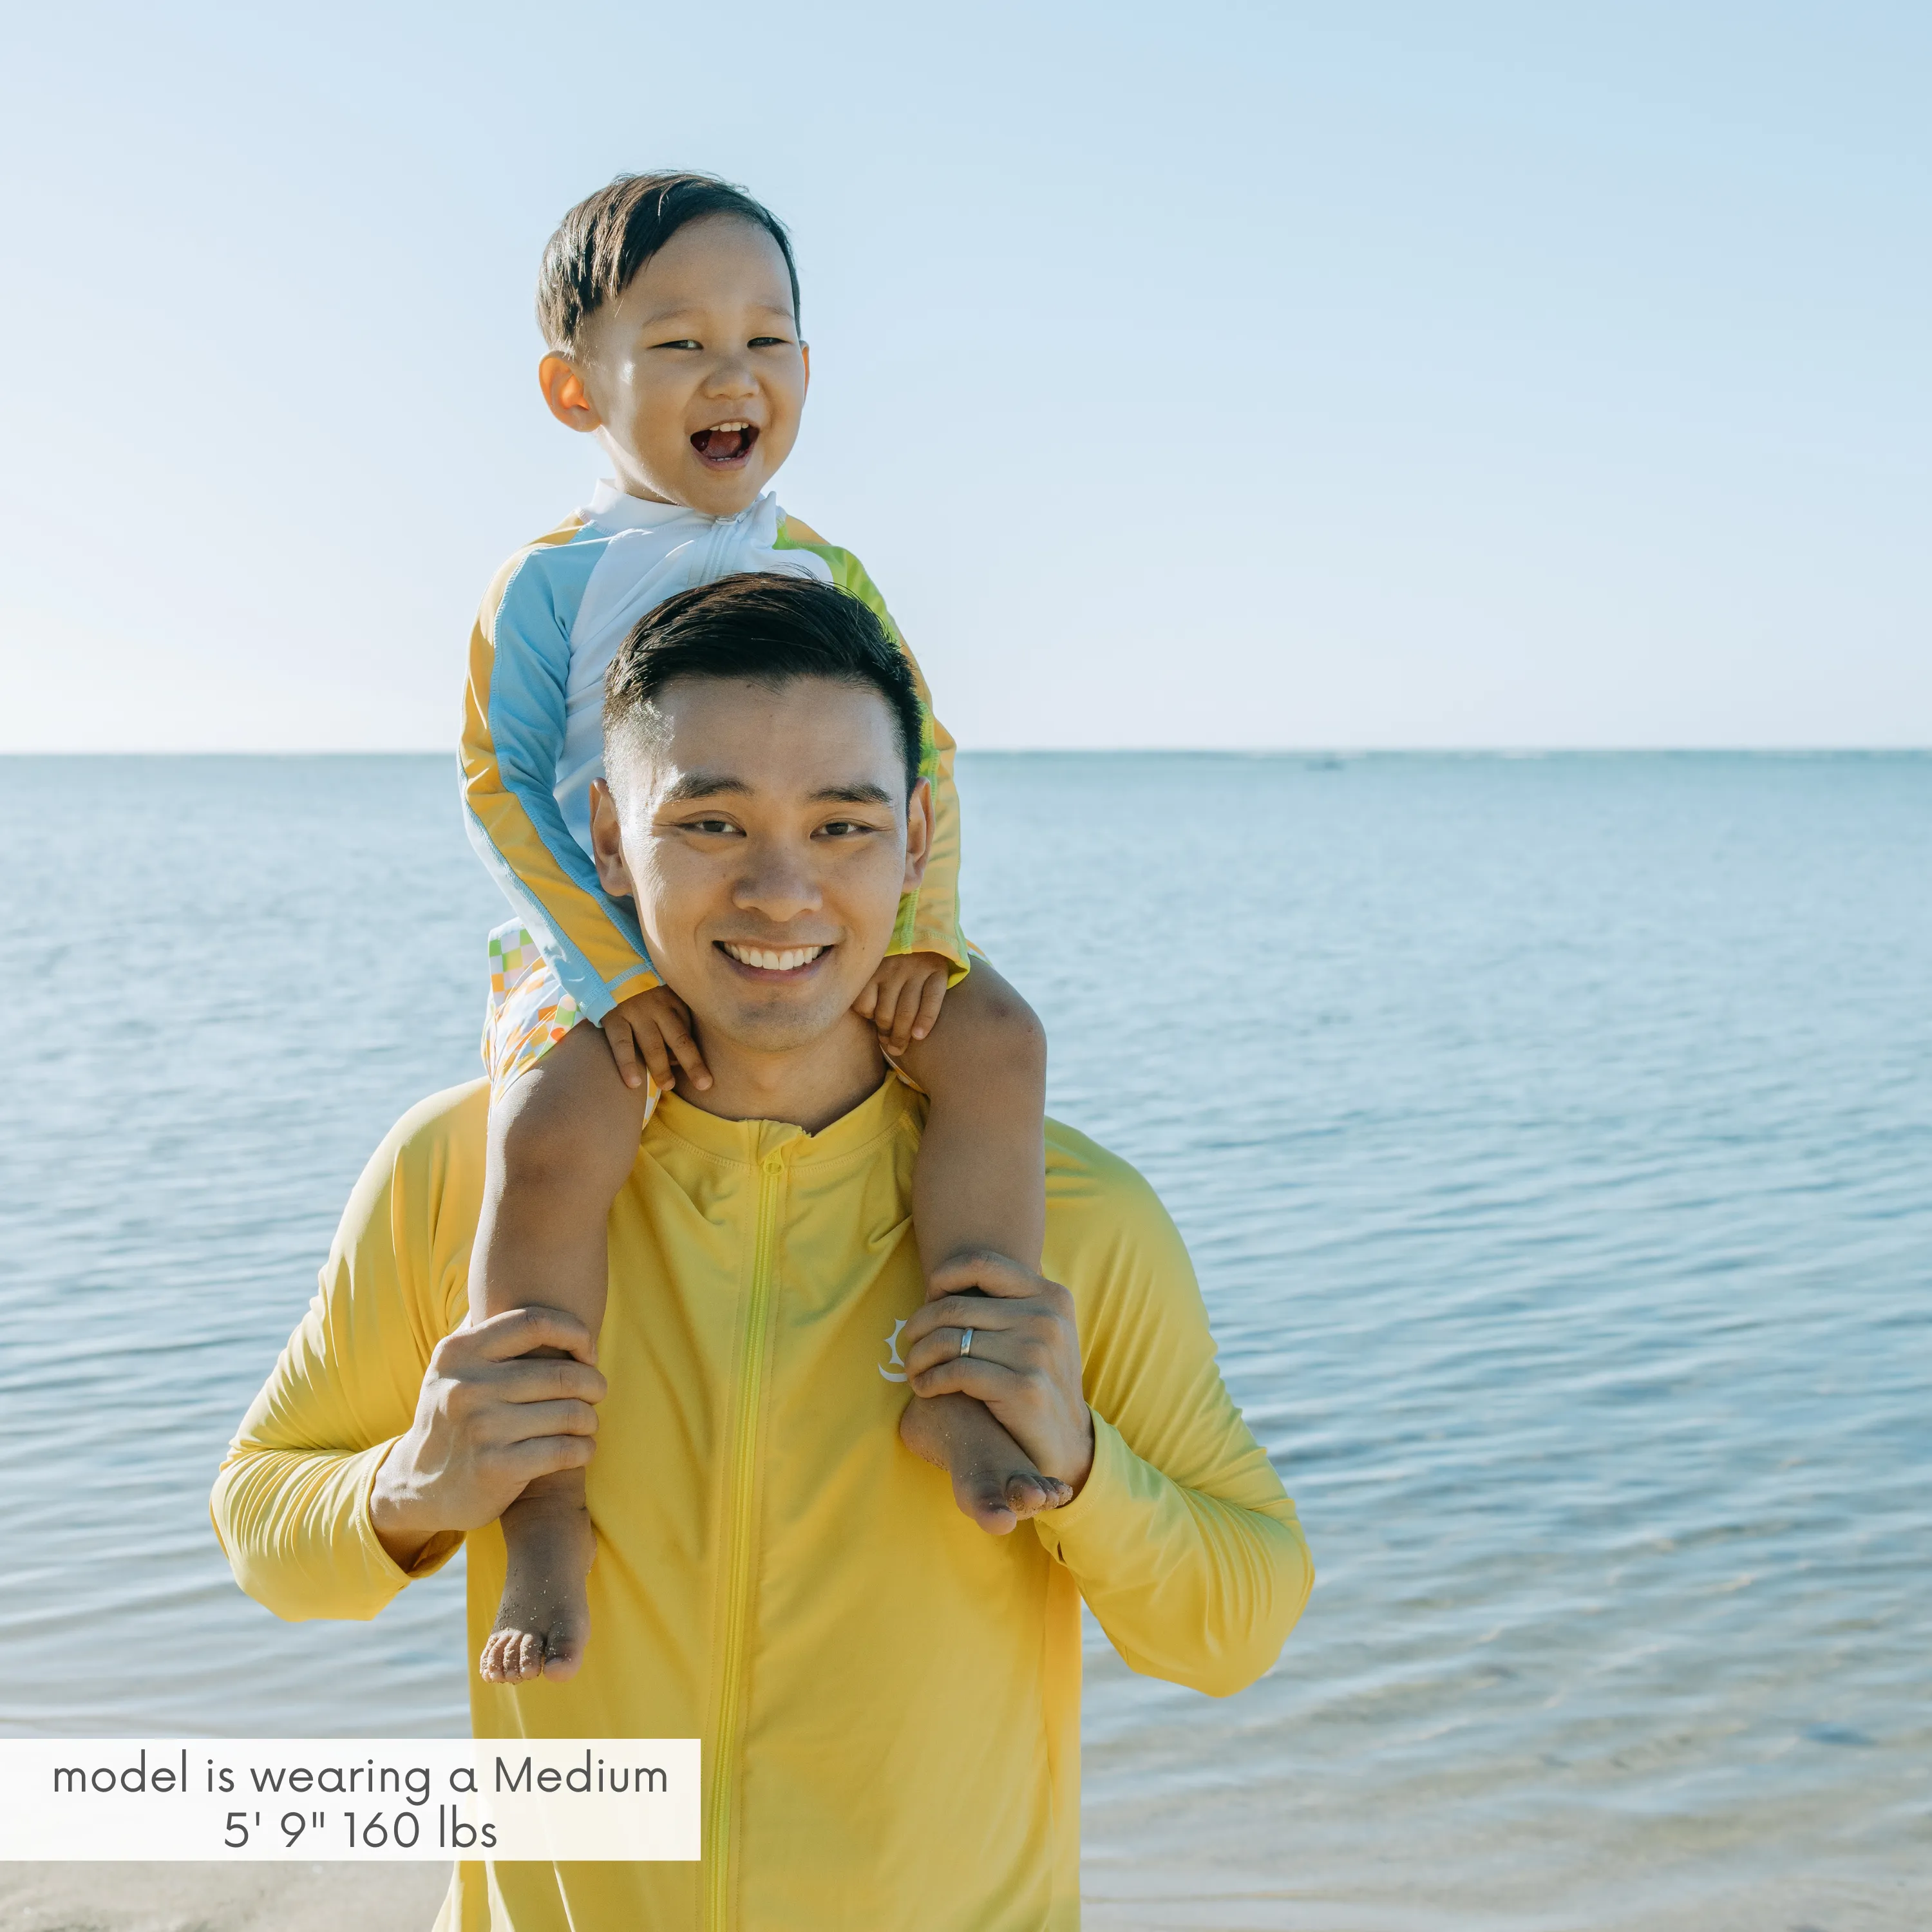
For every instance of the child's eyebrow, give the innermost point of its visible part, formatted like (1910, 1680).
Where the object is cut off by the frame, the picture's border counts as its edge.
(680, 311)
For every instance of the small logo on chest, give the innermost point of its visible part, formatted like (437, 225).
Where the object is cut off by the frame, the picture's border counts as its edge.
(897, 1372)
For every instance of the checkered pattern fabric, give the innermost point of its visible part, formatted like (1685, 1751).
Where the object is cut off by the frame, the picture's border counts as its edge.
(529, 1011)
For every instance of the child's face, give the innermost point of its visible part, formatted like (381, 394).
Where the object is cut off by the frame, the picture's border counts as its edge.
(694, 379)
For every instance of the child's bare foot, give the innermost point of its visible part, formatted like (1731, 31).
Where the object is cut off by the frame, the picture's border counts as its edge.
(543, 1622)
(994, 1479)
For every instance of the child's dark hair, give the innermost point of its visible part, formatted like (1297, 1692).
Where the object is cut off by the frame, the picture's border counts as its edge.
(768, 629)
(600, 245)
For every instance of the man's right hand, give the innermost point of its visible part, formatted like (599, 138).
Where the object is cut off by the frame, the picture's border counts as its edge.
(490, 1419)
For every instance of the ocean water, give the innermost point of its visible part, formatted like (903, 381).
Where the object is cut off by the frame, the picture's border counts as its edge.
(1554, 1139)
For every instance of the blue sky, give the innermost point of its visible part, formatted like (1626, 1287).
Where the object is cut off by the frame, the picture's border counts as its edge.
(1228, 375)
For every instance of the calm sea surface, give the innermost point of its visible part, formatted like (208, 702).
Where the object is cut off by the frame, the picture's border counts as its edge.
(1554, 1137)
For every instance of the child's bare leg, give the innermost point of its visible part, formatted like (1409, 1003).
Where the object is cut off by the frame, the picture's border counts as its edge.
(562, 1140)
(980, 1182)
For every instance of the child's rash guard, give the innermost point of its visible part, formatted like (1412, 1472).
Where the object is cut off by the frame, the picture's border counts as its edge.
(532, 727)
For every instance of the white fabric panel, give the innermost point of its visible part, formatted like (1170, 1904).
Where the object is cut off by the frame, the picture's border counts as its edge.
(654, 550)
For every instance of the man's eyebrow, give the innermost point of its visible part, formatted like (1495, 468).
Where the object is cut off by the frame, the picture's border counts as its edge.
(704, 785)
(852, 794)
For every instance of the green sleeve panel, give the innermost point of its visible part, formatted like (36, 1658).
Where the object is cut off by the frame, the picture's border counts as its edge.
(929, 919)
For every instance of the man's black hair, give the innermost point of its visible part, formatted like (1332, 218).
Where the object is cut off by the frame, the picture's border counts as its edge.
(771, 630)
(600, 245)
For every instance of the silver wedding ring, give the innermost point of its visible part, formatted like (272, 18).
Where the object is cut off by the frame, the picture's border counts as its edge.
(965, 1343)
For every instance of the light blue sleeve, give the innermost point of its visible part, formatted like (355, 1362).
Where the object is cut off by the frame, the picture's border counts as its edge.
(512, 743)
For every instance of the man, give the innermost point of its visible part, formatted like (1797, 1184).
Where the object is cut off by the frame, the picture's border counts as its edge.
(889, 1698)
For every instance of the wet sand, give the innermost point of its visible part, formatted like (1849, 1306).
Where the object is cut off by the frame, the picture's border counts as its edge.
(220, 1898)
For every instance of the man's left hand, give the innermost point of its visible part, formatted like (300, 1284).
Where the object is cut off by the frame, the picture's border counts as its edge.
(1024, 1363)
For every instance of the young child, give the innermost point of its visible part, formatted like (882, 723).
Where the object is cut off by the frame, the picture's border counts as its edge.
(670, 306)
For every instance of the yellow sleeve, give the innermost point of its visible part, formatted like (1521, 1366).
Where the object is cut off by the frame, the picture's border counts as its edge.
(1182, 1541)
(291, 1502)
(929, 919)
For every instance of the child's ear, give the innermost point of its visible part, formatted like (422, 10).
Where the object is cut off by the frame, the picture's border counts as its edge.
(919, 835)
(607, 843)
(568, 400)
(805, 356)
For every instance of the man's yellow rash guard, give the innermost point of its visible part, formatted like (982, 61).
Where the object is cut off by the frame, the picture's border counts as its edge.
(533, 736)
(889, 1698)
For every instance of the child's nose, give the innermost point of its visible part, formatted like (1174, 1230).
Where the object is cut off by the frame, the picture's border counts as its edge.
(732, 375)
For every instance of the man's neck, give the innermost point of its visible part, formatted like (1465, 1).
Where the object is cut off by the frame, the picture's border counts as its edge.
(809, 1086)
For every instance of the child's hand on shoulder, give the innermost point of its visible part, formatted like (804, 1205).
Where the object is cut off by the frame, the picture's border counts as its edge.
(655, 1028)
(904, 997)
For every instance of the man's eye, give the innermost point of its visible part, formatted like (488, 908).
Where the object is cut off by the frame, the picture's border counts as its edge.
(843, 828)
(719, 826)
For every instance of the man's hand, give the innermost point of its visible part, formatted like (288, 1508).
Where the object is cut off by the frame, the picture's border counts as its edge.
(904, 997)
(487, 1423)
(656, 1027)
(1025, 1361)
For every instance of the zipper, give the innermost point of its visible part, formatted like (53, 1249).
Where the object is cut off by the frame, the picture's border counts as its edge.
(738, 1557)
(725, 533)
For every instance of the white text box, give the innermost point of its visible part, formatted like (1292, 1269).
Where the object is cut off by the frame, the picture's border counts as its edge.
(323, 1799)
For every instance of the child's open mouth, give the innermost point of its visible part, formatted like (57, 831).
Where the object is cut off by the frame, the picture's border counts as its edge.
(725, 445)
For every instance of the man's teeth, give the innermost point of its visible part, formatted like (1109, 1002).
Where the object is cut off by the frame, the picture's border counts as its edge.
(774, 962)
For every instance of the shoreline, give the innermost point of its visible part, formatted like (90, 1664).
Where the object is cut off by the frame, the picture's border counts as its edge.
(263, 1896)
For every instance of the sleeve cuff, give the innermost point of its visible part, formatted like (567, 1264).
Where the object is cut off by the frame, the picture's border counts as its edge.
(1106, 1501)
(641, 981)
(434, 1555)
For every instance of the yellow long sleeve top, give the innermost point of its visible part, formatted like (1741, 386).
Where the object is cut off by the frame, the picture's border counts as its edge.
(888, 1698)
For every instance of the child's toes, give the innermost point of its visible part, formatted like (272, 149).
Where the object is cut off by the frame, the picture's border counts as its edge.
(981, 1495)
(510, 1656)
(1028, 1492)
(563, 1655)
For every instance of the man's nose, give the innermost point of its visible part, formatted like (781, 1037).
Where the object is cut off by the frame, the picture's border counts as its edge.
(776, 887)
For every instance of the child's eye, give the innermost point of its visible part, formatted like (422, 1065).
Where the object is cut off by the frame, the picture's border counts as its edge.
(682, 342)
(769, 342)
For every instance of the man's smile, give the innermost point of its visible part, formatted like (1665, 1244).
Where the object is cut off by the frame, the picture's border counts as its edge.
(725, 445)
(771, 962)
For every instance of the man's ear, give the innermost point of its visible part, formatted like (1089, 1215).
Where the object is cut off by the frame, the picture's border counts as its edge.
(563, 390)
(919, 835)
(607, 843)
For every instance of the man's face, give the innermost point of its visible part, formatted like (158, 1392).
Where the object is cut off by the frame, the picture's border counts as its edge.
(766, 836)
(695, 374)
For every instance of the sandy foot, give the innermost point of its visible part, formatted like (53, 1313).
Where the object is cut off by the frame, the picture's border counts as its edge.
(994, 1479)
(543, 1623)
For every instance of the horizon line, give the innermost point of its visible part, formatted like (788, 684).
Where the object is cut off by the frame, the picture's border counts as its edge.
(1340, 752)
